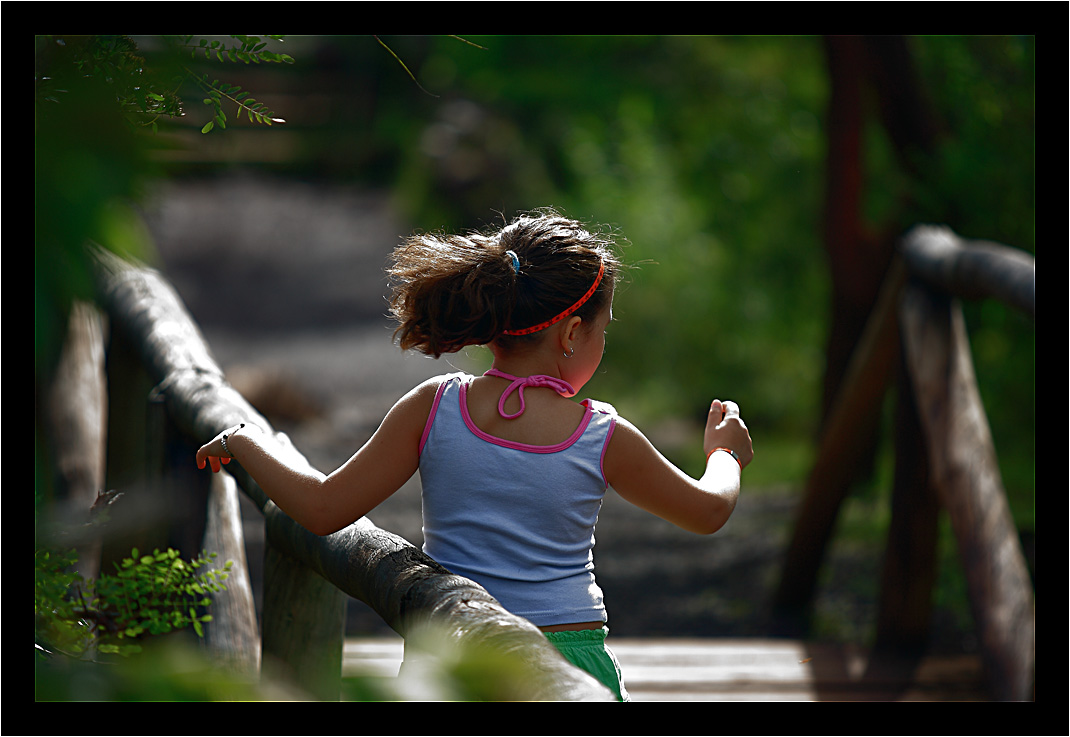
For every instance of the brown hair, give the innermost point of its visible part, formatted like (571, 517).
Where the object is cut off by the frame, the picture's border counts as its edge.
(452, 291)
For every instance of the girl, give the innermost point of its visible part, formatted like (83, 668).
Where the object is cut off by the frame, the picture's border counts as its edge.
(513, 472)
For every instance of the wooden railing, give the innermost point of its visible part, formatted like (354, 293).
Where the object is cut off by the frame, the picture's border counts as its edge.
(157, 354)
(945, 457)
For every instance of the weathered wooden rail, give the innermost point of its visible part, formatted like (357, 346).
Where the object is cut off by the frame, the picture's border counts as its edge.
(944, 458)
(156, 353)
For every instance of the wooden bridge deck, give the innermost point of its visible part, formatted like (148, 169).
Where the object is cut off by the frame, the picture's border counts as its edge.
(742, 670)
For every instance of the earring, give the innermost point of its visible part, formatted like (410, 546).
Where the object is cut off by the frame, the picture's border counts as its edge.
(570, 354)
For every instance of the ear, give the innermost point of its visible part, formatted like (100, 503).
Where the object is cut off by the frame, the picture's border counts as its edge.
(570, 333)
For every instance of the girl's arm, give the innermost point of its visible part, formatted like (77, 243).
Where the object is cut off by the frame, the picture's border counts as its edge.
(644, 477)
(325, 504)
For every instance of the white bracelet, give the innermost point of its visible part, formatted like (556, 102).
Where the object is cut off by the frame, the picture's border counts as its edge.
(223, 441)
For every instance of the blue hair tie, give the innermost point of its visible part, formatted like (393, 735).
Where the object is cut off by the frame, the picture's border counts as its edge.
(516, 261)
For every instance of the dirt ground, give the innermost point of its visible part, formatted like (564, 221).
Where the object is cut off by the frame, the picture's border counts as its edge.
(286, 280)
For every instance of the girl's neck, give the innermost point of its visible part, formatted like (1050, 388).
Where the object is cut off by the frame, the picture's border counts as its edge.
(527, 366)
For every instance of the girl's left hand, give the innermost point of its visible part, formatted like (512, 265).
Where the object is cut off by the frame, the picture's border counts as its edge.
(725, 428)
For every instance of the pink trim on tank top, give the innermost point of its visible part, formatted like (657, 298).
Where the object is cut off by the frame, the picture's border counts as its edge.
(431, 416)
(605, 447)
(521, 446)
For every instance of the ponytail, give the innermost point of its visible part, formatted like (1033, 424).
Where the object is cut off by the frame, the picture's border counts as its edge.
(453, 291)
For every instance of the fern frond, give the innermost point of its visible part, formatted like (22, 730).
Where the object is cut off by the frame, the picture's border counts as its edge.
(255, 112)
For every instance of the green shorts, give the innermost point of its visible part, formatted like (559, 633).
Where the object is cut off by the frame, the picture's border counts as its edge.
(586, 649)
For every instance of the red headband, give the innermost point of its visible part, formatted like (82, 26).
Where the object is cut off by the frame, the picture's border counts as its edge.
(557, 318)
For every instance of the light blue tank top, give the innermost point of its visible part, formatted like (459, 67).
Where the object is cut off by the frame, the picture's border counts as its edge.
(517, 519)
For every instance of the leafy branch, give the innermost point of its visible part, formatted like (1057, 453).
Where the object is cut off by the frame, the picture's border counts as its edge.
(147, 594)
(255, 111)
(247, 50)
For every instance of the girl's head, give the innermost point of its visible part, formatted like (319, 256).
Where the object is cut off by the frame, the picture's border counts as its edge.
(455, 291)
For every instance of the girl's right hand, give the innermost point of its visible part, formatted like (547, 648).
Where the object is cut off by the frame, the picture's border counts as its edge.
(212, 453)
(726, 429)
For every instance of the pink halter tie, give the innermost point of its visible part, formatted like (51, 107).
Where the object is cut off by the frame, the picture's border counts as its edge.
(520, 383)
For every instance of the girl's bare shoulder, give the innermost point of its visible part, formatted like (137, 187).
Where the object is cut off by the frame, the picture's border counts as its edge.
(423, 394)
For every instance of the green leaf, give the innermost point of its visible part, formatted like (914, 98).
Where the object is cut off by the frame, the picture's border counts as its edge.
(207, 127)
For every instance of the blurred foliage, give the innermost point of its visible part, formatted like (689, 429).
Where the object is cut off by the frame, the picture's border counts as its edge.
(440, 667)
(169, 669)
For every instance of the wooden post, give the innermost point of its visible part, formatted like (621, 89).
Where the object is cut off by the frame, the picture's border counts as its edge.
(75, 423)
(965, 471)
(232, 636)
(138, 517)
(909, 568)
(304, 625)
